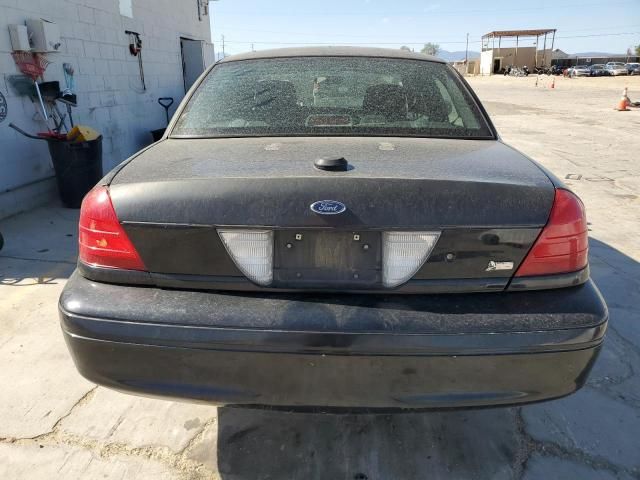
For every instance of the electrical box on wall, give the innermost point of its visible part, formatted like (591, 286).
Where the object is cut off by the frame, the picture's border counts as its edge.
(43, 35)
(19, 38)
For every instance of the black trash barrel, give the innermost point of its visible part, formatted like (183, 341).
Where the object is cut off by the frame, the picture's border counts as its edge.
(78, 167)
(157, 134)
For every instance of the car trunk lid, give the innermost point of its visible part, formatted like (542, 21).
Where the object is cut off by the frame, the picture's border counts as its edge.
(391, 182)
(486, 201)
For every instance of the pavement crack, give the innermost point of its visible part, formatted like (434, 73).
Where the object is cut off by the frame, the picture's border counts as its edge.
(54, 430)
(527, 445)
(115, 426)
(198, 436)
(616, 396)
(81, 401)
(179, 461)
(578, 456)
(628, 344)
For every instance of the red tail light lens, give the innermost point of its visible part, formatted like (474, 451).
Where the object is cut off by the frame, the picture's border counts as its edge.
(563, 245)
(103, 241)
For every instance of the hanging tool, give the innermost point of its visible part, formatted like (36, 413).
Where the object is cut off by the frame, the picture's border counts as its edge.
(135, 49)
(69, 79)
(50, 92)
(68, 96)
(33, 66)
(68, 104)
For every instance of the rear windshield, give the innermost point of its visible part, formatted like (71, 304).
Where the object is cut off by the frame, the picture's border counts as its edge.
(331, 96)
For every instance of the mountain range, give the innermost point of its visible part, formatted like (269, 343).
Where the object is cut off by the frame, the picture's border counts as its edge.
(457, 55)
(595, 54)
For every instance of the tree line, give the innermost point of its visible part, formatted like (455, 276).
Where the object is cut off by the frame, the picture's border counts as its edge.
(428, 49)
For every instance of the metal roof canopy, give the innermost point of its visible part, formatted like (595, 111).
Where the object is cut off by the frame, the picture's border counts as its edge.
(500, 34)
(518, 33)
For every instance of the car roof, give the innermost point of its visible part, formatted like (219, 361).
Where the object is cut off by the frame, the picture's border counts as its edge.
(333, 51)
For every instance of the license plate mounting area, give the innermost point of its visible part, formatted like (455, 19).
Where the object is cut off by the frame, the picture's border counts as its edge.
(327, 259)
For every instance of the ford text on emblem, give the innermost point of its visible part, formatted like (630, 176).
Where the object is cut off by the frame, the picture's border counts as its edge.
(328, 207)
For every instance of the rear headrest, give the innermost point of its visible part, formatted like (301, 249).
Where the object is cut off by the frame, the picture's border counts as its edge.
(387, 100)
(278, 94)
(431, 104)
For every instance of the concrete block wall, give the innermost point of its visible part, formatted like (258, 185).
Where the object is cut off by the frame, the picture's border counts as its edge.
(110, 95)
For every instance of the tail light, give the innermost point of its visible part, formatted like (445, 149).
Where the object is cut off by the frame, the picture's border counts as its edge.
(103, 241)
(252, 252)
(563, 245)
(404, 253)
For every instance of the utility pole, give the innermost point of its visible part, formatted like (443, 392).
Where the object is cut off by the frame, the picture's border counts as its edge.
(466, 52)
(223, 52)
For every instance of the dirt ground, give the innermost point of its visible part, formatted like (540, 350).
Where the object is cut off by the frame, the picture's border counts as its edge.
(54, 424)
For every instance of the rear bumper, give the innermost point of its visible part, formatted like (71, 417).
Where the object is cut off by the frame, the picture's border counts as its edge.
(355, 351)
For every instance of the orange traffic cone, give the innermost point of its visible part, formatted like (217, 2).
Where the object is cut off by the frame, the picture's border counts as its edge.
(624, 101)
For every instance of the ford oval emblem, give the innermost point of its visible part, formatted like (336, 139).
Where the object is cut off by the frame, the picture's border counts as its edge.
(328, 207)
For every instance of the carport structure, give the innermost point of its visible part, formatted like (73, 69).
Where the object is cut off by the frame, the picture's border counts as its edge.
(492, 58)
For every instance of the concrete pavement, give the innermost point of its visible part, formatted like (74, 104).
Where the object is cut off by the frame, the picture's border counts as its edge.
(54, 424)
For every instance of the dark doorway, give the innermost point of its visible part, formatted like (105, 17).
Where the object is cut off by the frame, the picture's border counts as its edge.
(192, 61)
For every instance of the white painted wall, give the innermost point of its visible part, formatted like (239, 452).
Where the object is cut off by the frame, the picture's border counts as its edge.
(486, 62)
(107, 82)
(523, 56)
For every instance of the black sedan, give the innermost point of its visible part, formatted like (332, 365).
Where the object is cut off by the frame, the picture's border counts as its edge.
(598, 70)
(333, 228)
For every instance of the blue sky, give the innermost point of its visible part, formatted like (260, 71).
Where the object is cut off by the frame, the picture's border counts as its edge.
(410, 22)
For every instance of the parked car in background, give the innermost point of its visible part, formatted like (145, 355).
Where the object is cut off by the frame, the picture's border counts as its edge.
(633, 68)
(597, 70)
(334, 228)
(580, 71)
(616, 68)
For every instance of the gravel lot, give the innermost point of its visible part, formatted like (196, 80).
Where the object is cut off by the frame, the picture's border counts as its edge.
(54, 424)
